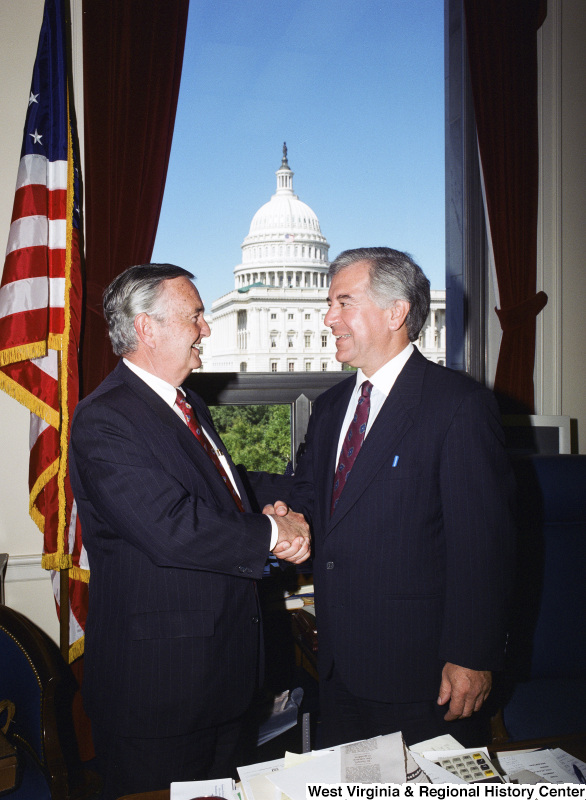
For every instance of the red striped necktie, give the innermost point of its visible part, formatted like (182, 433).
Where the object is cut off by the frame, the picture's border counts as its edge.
(352, 442)
(195, 428)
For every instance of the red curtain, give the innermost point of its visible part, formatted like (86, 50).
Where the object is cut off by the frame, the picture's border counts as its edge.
(502, 51)
(132, 60)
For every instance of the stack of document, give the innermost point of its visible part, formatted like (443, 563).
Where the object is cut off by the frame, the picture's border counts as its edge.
(384, 759)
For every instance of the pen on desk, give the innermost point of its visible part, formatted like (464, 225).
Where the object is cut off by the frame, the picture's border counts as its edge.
(579, 774)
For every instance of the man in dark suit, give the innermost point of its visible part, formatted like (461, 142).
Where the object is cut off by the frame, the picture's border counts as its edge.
(408, 491)
(173, 637)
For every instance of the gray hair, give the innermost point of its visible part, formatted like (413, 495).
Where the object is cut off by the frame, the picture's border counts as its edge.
(135, 291)
(393, 276)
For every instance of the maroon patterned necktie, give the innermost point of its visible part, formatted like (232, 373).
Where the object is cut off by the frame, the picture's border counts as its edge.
(195, 428)
(352, 442)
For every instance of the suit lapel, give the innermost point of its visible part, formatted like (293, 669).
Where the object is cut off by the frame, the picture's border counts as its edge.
(327, 443)
(393, 421)
(184, 436)
(206, 420)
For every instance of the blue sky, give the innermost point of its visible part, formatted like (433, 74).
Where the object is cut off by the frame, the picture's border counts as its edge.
(355, 88)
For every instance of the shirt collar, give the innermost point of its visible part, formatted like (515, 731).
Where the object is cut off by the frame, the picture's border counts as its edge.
(385, 377)
(165, 390)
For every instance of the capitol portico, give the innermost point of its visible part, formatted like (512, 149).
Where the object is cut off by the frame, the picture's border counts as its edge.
(273, 319)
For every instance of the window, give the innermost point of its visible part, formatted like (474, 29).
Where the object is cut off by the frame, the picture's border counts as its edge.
(308, 316)
(324, 340)
(273, 366)
(290, 341)
(243, 366)
(296, 392)
(273, 340)
(352, 23)
(308, 366)
(324, 366)
(308, 339)
(291, 366)
(273, 316)
(290, 316)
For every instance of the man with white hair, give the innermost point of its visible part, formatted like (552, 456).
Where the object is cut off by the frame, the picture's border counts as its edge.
(173, 635)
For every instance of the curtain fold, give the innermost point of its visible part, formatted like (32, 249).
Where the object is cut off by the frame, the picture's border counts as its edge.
(502, 52)
(132, 60)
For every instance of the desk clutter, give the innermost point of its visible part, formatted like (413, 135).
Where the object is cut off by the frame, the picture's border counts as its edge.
(387, 760)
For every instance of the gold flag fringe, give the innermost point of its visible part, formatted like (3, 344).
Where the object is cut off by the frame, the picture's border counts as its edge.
(25, 398)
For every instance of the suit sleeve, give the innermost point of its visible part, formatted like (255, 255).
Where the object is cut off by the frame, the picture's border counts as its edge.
(477, 491)
(160, 507)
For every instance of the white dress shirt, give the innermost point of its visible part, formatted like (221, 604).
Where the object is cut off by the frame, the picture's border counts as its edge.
(168, 394)
(382, 382)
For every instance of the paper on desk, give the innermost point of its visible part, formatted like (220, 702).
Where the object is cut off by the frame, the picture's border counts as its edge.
(248, 771)
(433, 754)
(260, 787)
(383, 759)
(254, 781)
(186, 790)
(322, 769)
(541, 762)
(293, 759)
(567, 761)
(445, 742)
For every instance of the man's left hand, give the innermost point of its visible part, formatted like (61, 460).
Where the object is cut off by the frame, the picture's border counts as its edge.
(466, 689)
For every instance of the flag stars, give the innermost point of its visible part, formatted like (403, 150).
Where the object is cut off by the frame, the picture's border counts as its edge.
(33, 99)
(36, 136)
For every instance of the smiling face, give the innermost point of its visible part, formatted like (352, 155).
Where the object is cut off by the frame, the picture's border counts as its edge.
(367, 336)
(175, 353)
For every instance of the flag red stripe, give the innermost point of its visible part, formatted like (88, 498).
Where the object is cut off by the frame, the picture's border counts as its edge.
(27, 327)
(35, 199)
(31, 262)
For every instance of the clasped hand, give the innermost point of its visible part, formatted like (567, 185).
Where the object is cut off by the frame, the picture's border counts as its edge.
(293, 543)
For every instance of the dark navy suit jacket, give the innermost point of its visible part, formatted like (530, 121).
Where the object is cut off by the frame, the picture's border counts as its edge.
(414, 567)
(173, 639)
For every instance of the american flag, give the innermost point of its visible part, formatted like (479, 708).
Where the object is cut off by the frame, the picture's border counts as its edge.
(40, 309)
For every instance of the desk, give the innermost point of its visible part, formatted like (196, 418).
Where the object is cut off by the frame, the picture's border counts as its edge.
(574, 745)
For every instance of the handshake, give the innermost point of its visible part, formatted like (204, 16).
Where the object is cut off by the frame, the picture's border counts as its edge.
(294, 543)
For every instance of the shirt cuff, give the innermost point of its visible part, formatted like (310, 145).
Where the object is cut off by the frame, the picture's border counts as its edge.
(274, 533)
